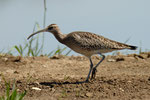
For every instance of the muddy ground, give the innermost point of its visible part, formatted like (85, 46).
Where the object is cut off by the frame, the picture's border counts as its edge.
(121, 77)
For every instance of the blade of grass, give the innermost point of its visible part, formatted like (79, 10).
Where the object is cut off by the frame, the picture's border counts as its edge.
(57, 51)
(50, 54)
(37, 41)
(127, 40)
(68, 52)
(2, 98)
(32, 53)
(21, 50)
(7, 90)
(13, 95)
(22, 95)
(30, 50)
(24, 48)
(44, 22)
(30, 47)
(17, 48)
(63, 50)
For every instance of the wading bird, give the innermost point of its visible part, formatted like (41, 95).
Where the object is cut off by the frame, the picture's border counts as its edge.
(87, 44)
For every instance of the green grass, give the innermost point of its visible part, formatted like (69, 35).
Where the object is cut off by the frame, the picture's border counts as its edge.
(12, 95)
(28, 49)
(59, 51)
(33, 47)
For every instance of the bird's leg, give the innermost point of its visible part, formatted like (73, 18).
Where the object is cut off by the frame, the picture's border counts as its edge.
(94, 69)
(91, 67)
(93, 73)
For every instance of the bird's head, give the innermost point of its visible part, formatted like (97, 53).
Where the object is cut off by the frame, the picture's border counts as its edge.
(53, 28)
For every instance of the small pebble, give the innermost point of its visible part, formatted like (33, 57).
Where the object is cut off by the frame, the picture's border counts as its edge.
(89, 94)
(121, 89)
(10, 71)
(111, 60)
(5, 59)
(36, 88)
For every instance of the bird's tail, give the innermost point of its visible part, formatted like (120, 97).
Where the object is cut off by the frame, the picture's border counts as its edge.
(133, 47)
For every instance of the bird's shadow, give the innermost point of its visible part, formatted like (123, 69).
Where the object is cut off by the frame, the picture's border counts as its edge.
(51, 84)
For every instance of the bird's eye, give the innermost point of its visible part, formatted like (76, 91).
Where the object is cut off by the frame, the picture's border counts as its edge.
(50, 28)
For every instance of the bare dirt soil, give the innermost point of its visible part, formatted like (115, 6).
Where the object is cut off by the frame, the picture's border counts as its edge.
(121, 77)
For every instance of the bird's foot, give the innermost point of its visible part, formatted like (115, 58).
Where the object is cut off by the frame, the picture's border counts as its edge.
(93, 73)
(86, 81)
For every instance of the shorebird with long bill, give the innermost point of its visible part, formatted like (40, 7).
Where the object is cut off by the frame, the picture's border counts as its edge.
(87, 44)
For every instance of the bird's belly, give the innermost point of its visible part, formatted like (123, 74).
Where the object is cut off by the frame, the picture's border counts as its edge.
(81, 50)
(105, 50)
(89, 52)
(84, 52)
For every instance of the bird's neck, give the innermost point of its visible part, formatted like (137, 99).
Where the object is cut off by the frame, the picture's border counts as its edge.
(59, 36)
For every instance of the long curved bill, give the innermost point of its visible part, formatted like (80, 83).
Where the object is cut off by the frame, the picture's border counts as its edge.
(43, 30)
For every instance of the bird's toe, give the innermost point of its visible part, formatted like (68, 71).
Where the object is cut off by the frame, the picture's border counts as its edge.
(93, 73)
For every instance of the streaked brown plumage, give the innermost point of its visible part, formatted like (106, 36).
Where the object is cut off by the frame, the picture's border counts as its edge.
(86, 43)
